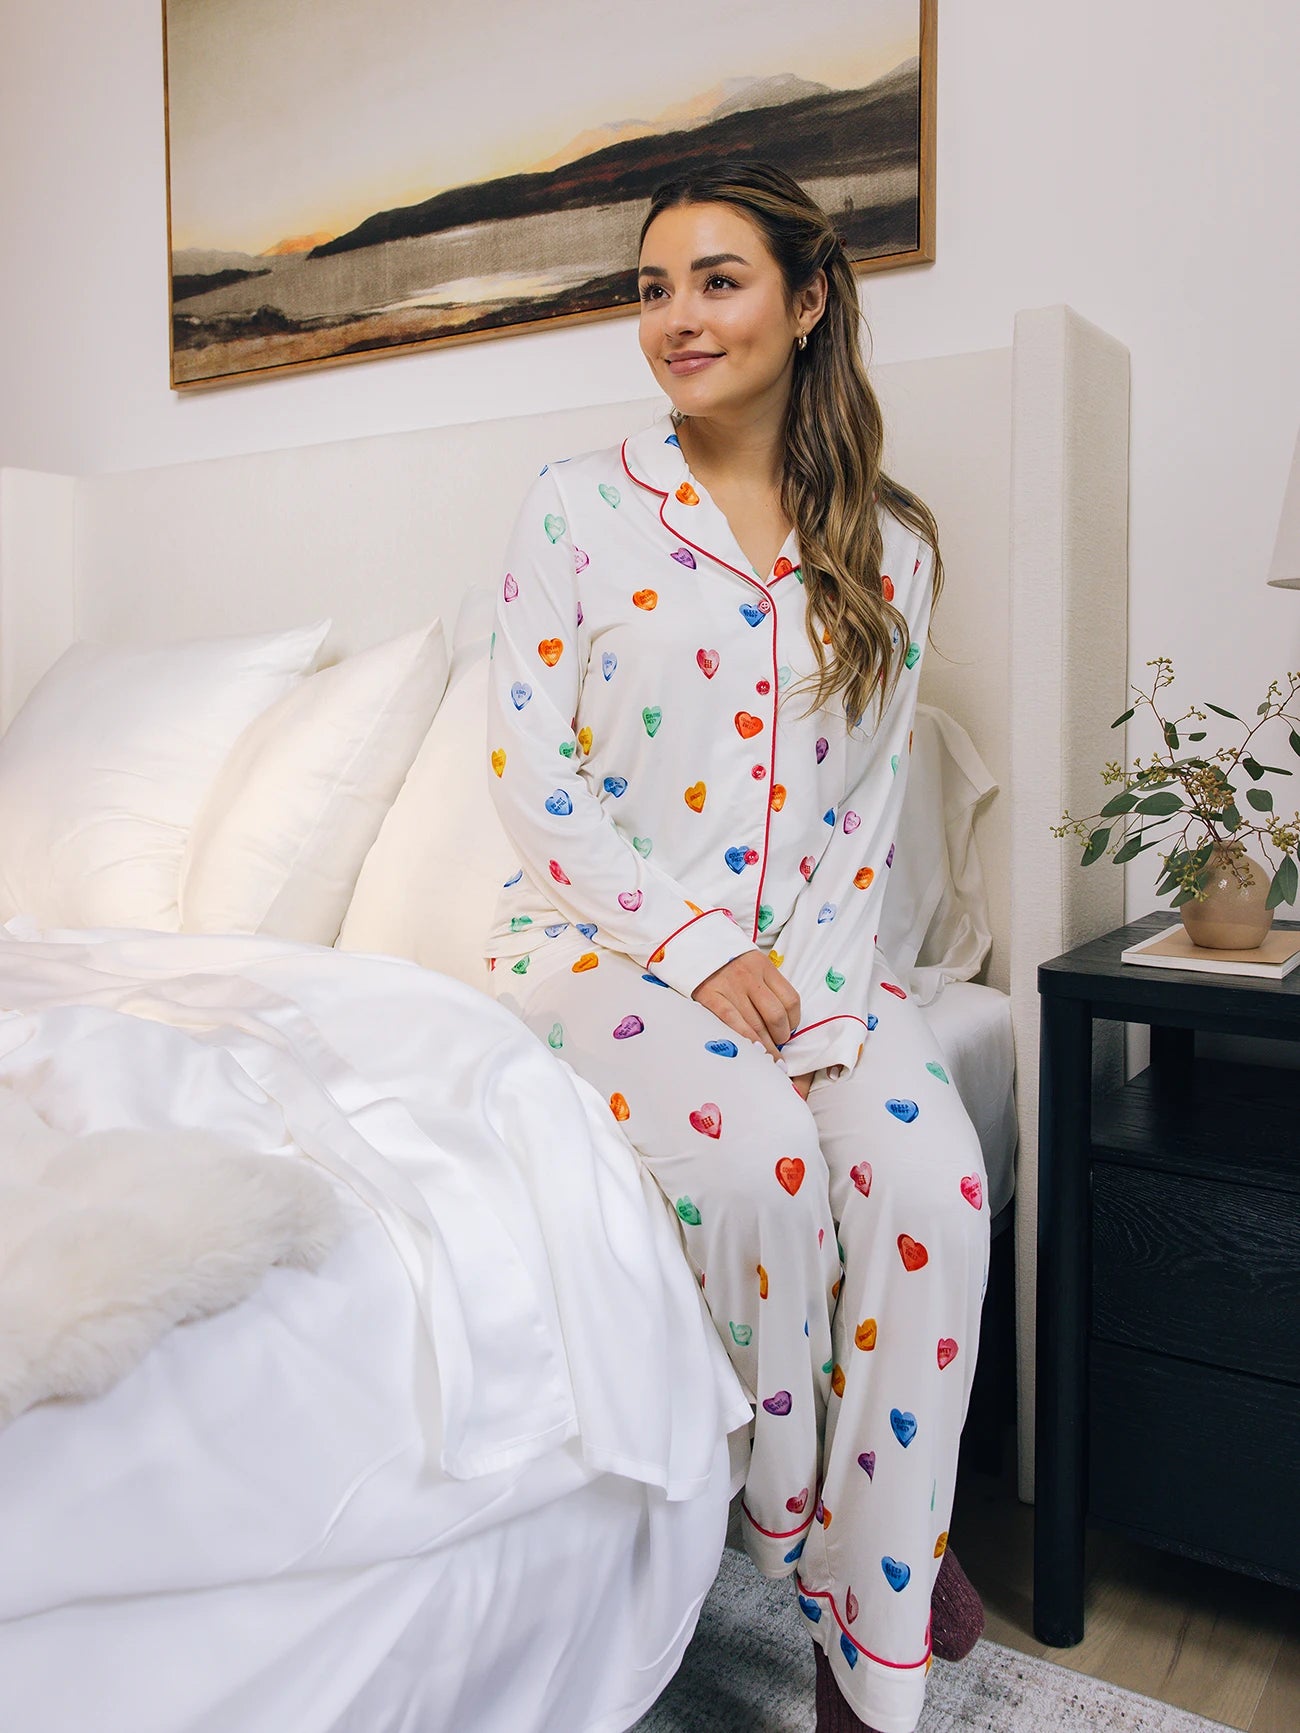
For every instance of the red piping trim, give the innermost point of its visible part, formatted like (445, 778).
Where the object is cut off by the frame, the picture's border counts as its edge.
(826, 1595)
(839, 1017)
(668, 941)
(778, 1534)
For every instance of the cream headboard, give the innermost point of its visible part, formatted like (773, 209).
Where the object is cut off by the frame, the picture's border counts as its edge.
(1022, 453)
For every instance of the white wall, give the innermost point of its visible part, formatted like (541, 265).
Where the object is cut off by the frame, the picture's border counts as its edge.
(1136, 158)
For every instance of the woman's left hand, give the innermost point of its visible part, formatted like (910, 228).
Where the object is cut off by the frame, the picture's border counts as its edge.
(803, 1084)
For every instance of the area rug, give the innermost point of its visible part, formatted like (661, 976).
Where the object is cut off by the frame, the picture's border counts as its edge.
(749, 1669)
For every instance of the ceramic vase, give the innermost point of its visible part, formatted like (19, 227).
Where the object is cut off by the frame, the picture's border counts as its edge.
(1232, 917)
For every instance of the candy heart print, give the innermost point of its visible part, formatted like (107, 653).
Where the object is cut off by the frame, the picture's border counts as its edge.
(630, 900)
(707, 1119)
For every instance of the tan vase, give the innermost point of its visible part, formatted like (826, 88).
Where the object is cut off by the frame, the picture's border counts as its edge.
(1232, 916)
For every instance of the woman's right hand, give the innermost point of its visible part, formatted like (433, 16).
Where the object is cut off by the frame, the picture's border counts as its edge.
(753, 998)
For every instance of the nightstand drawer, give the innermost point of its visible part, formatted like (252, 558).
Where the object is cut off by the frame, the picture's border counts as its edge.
(1193, 1267)
(1197, 1459)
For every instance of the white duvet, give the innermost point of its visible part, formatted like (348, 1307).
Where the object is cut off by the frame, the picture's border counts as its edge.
(506, 1319)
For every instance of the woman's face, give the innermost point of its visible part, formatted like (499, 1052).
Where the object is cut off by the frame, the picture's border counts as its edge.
(717, 325)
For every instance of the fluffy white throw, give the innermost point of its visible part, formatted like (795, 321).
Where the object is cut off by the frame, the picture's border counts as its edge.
(109, 1239)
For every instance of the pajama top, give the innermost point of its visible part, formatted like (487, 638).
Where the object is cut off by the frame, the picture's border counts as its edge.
(664, 790)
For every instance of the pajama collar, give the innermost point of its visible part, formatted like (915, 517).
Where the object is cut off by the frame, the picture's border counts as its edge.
(654, 461)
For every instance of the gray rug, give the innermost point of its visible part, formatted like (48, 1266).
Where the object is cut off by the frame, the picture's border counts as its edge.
(749, 1669)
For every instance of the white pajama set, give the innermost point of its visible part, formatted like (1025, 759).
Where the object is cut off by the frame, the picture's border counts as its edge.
(672, 807)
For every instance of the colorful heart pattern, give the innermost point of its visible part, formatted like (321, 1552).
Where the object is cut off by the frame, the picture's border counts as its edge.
(912, 1252)
(972, 1190)
(903, 1424)
(947, 1351)
(897, 1575)
(707, 1119)
(780, 1404)
(861, 1177)
(790, 1172)
(695, 795)
(627, 1027)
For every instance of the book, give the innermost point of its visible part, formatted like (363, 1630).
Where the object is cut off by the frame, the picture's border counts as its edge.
(1171, 948)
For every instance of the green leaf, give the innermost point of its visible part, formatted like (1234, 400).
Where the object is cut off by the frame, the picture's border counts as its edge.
(1253, 767)
(1263, 709)
(1260, 799)
(1231, 817)
(1295, 741)
(1283, 887)
(1220, 711)
(1160, 804)
(1200, 736)
(1181, 898)
(1132, 846)
(1120, 720)
(1119, 803)
(1096, 846)
(1171, 736)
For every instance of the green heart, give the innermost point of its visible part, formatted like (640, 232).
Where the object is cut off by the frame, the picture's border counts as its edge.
(913, 655)
(829, 1366)
(834, 980)
(520, 968)
(568, 748)
(642, 845)
(798, 572)
(652, 716)
(555, 1039)
(840, 1249)
(554, 526)
(610, 495)
(519, 922)
(492, 645)
(893, 762)
(688, 1212)
(937, 1070)
(766, 915)
(784, 675)
(742, 1334)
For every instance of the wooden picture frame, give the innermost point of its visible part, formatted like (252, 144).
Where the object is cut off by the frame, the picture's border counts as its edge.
(545, 240)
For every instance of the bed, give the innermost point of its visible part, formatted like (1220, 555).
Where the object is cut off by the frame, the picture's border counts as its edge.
(339, 1503)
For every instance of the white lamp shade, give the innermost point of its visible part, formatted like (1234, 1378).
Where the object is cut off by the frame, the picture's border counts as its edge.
(1284, 573)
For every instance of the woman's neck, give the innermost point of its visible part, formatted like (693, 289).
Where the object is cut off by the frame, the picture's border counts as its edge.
(748, 452)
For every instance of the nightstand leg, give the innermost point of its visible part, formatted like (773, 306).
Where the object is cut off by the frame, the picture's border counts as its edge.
(1061, 1378)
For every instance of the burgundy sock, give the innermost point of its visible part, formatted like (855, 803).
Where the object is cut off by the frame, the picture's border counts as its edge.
(833, 1713)
(956, 1612)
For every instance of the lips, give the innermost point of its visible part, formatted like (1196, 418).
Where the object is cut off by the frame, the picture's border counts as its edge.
(689, 361)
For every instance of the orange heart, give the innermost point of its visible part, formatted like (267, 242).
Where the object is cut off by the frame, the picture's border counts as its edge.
(647, 599)
(748, 726)
(550, 650)
(837, 1380)
(865, 1335)
(835, 1288)
(618, 1106)
(694, 907)
(778, 796)
(695, 796)
(886, 587)
(584, 739)
(913, 1253)
(826, 637)
(498, 761)
(762, 1281)
(782, 568)
(588, 960)
(687, 494)
(657, 956)
(790, 1172)
(941, 1545)
(863, 877)
(826, 1516)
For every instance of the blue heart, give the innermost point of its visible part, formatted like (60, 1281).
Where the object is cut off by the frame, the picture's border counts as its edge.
(904, 1110)
(654, 980)
(514, 881)
(795, 1551)
(672, 439)
(848, 1651)
(810, 1609)
(724, 1049)
(751, 613)
(559, 803)
(872, 1020)
(608, 663)
(587, 930)
(521, 692)
(904, 1425)
(825, 913)
(616, 785)
(554, 931)
(897, 1574)
(828, 817)
(735, 859)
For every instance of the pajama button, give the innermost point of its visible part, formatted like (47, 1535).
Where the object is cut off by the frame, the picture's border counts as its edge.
(763, 688)
(758, 772)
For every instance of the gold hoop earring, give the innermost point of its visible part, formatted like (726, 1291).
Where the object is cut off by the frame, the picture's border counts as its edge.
(801, 341)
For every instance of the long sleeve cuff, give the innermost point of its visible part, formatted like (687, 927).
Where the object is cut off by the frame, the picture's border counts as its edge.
(694, 951)
(834, 1044)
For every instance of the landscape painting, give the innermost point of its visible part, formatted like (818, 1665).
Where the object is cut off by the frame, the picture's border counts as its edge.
(346, 182)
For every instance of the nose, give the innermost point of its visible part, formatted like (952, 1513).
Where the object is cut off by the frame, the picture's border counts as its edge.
(682, 320)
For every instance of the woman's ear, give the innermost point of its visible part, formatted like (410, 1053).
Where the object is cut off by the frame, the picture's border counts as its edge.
(810, 302)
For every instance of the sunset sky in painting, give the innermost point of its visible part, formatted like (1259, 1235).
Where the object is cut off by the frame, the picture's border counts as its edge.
(289, 119)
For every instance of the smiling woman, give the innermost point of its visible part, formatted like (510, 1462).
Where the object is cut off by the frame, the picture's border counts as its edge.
(707, 650)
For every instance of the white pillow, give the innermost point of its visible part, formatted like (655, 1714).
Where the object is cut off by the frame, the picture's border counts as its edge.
(281, 837)
(429, 886)
(107, 763)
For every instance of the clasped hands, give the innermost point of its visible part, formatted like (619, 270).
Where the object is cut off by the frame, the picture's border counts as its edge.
(753, 998)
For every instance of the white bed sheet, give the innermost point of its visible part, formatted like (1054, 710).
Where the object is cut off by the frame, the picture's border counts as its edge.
(972, 1025)
(259, 1527)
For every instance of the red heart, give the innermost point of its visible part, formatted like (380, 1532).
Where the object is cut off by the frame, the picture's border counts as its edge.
(782, 568)
(806, 866)
(790, 1172)
(850, 1606)
(891, 988)
(748, 726)
(558, 873)
(972, 1190)
(797, 1504)
(947, 1351)
(708, 1119)
(708, 661)
(861, 1177)
(913, 1253)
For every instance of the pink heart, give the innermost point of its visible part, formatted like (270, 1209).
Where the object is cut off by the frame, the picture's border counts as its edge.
(796, 1505)
(947, 1351)
(558, 873)
(707, 1119)
(580, 561)
(708, 661)
(630, 900)
(972, 1190)
(627, 1027)
(684, 557)
(850, 1606)
(806, 866)
(781, 1403)
(511, 588)
(851, 823)
(861, 1177)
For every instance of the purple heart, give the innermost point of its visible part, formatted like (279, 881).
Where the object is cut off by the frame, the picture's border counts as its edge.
(781, 1403)
(867, 1462)
(684, 557)
(889, 858)
(823, 747)
(629, 1026)
(851, 823)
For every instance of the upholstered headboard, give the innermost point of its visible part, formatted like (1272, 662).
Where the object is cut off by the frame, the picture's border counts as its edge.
(1021, 452)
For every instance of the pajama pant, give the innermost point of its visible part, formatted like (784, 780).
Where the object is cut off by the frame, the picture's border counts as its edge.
(842, 1247)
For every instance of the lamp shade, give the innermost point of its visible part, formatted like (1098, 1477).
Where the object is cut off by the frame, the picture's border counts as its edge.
(1284, 573)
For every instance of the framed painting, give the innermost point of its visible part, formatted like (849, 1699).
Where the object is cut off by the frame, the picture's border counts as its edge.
(345, 182)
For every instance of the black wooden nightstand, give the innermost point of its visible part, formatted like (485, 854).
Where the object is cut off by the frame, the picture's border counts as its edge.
(1168, 1338)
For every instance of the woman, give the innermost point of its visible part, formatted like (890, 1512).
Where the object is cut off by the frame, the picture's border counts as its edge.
(707, 648)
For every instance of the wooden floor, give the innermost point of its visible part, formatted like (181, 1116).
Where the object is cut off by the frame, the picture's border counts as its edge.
(1208, 1640)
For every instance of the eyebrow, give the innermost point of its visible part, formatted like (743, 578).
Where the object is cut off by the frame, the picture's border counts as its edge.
(707, 263)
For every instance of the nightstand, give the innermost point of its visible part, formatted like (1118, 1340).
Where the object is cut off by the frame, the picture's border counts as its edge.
(1168, 1337)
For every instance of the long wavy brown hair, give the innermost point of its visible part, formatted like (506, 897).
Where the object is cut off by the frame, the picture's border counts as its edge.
(834, 436)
